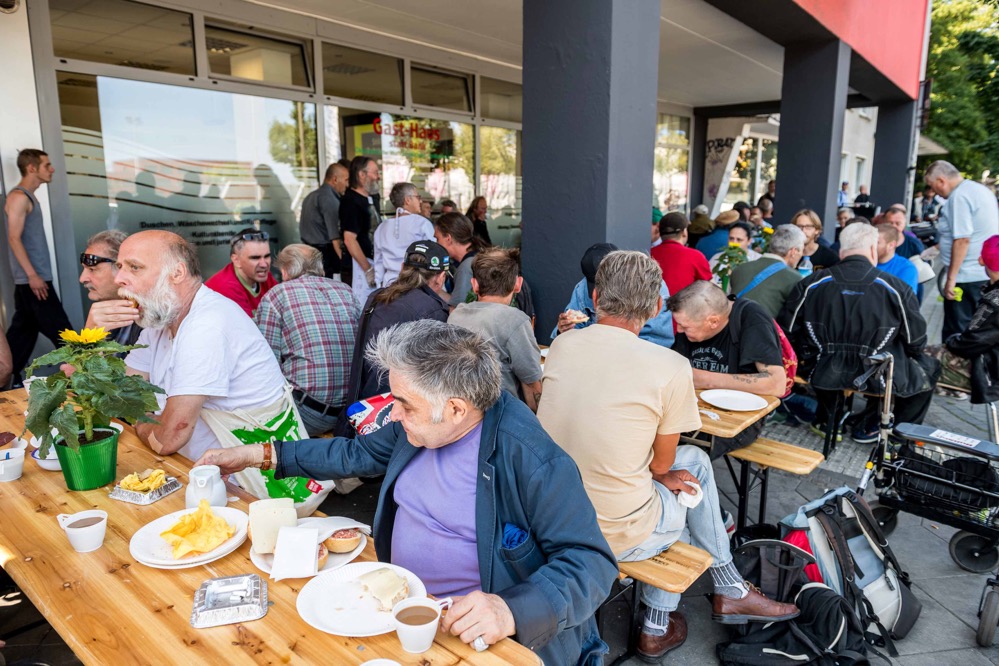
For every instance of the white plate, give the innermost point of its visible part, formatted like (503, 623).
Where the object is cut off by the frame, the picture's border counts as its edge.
(218, 555)
(148, 547)
(734, 401)
(337, 604)
(544, 353)
(335, 560)
(51, 463)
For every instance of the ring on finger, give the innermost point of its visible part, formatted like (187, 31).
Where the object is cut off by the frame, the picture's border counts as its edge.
(480, 644)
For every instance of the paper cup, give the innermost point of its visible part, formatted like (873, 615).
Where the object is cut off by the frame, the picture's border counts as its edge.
(417, 638)
(11, 464)
(87, 538)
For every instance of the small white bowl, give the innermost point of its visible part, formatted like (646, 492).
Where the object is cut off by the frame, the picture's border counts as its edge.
(51, 463)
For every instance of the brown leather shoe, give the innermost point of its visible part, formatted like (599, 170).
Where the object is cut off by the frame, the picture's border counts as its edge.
(652, 649)
(754, 607)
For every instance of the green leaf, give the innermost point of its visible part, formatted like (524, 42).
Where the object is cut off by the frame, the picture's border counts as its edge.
(65, 421)
(44, 397)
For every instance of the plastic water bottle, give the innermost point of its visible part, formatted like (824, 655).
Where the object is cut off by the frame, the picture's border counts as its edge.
(805, 267)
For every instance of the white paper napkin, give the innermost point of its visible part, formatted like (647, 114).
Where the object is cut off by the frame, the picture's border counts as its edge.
(296, 554)
(688, 500)
(327, 526)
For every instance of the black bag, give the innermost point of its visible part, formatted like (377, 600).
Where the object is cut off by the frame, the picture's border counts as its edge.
(774, 566)
(826, 633)
(965, 470)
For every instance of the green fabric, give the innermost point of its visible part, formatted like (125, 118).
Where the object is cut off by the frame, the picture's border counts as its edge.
(772, 292)
(283, 427)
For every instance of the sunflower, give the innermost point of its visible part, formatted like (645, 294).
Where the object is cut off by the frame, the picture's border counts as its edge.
(768, 230)
(87, 336)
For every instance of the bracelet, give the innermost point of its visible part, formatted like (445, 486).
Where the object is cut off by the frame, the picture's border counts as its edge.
(267, 462)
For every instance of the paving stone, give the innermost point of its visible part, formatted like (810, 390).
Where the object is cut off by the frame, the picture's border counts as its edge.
(936, 629)
(953, 657)
(958, 594)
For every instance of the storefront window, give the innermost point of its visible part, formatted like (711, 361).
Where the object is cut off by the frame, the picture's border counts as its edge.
(242, 55)
(362, 75)
(123, 33)
(743, 181)
(435, 155)
(201, 163)
(672, 153)
(501, 100)
(445, 90)
(500, 183)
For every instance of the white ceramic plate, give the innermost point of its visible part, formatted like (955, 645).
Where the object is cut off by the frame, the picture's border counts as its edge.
(733, 401)
(337, 604)
(334, 561)
(51, 463)
(218, 555)
(148, 547)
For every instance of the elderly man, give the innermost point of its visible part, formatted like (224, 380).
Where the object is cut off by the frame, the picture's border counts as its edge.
(211, 361)
(908, 245)
(309, 322)
(633, 470)
(97, 275)
(889, 239)
(659, 329)
(967, 219)
(247, 276)
(320, 221)
(838, 317)
(358, 217)
(394, 235)
(516, 544)
(769, 279)
(680, 264)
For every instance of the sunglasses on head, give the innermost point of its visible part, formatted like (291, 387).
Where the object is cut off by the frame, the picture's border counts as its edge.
(251, 236)
(91, 260)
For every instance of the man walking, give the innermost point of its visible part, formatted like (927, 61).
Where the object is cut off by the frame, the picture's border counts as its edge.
(36, 307)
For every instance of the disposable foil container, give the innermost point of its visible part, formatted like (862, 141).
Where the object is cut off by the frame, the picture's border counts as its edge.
(229, 600)
(135, 497)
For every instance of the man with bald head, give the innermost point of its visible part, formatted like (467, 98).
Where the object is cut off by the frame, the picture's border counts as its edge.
(320, 221)
(209, 358)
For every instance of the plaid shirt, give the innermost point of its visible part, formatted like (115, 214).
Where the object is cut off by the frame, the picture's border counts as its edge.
(310, 323)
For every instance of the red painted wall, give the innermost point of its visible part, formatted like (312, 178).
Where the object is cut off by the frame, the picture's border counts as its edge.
(886, 33)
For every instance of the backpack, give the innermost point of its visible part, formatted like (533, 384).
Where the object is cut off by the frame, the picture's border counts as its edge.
(855, 560)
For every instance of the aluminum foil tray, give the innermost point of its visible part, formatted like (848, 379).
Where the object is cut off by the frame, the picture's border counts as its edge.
(229, 600)
(135, 497)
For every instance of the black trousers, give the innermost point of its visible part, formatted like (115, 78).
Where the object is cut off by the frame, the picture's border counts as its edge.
(331, 262)
(957, 314)
(31, 317)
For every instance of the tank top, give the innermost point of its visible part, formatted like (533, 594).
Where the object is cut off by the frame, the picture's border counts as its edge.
(33, 238)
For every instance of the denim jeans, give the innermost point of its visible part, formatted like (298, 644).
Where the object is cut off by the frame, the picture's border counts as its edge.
(707, 531)
(315, 423)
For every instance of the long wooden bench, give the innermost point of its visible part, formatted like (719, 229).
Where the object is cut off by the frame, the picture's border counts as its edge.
(767, 454)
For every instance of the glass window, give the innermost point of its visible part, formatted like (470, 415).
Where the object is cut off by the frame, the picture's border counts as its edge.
(447, 90)
(768, 167)
(362, 75)
(673, 130)
(501, 100)
(119, 32)
(435, 155)
(861, 173)
(232, 52)
(500, 182)
(669, 179)
(743, 180)
(202, 163)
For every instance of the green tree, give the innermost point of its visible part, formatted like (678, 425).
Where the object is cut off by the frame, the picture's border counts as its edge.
(294, 143)
(962, 62)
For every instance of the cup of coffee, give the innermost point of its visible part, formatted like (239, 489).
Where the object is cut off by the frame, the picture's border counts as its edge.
(416, 621)
(11, 464)
(85, 530)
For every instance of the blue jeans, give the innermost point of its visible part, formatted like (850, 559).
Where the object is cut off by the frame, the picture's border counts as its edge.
(707, 531)
(315, 423)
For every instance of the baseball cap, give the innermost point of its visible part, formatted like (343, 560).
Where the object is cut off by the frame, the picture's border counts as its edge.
(436, 256)
(673, 223)
(591, 262)
(656, 215)
(990, 254)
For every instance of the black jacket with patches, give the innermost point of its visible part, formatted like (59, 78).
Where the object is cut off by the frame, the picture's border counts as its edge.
(980, 344)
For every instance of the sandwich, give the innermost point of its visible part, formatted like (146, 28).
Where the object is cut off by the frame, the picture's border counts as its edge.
(323, 556)
(386, 586)
(343, 541)
(576, 317)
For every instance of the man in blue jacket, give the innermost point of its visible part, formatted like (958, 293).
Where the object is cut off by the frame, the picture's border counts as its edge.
(477, 501)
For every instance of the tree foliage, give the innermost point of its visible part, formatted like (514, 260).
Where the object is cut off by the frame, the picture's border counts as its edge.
(962, 62)
(294, 143)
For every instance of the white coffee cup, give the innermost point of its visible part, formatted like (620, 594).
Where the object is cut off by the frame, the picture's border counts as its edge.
(11, 464)
(86, 538)
(417, 638)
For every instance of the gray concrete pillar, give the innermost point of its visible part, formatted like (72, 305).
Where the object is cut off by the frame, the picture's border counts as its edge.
(812, 109)
(590, 80)
(894, 142)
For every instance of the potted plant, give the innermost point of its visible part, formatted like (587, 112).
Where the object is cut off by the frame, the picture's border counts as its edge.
(731, 256)
(79, 403)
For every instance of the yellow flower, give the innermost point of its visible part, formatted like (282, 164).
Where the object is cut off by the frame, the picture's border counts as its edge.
(734, 245)
(87, 336)
(768, 230)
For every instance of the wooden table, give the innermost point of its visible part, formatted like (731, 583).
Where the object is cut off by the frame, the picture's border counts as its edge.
(112, 610)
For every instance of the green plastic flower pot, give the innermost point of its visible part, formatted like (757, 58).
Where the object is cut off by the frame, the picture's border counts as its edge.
(92, 465)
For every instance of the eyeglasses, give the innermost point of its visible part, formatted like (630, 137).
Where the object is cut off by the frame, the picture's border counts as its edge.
(91, 260)
(250, 236)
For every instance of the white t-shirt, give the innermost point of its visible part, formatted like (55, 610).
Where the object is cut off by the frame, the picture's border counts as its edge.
(218, 352)
(392, 237)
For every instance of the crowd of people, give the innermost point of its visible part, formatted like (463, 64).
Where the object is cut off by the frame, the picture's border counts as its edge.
(553, 473)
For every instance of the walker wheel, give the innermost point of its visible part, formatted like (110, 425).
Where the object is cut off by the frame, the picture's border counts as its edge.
(973, 552)
(989, 619)
(886, 517)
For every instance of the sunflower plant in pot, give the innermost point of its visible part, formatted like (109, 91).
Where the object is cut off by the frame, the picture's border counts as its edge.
(73, 411)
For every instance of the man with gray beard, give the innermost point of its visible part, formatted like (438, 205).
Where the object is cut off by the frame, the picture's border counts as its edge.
(202, 350)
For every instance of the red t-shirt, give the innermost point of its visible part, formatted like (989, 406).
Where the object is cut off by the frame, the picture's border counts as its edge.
(227, 283)
(681, 265)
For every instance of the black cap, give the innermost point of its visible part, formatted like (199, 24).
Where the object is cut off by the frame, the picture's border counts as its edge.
(673, 223)
(437, 259)
(591, 262)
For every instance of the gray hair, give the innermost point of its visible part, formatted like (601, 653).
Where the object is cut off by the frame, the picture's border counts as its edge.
(844, 209)
(297, 260)
(627, 286)
(111, 239)
(701, 210)
(441, 361)
(855, 237)
(941, 168)
(400, 191)
(700, 299)
(786, 238)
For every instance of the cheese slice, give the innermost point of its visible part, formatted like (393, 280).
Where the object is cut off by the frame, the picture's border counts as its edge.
(386, 586)
(267, 517)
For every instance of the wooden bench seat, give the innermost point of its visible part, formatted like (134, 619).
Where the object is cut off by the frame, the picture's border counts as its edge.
(778, 455)
(673, 570)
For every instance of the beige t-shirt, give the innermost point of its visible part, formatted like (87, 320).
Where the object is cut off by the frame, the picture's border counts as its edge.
(606, 395)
